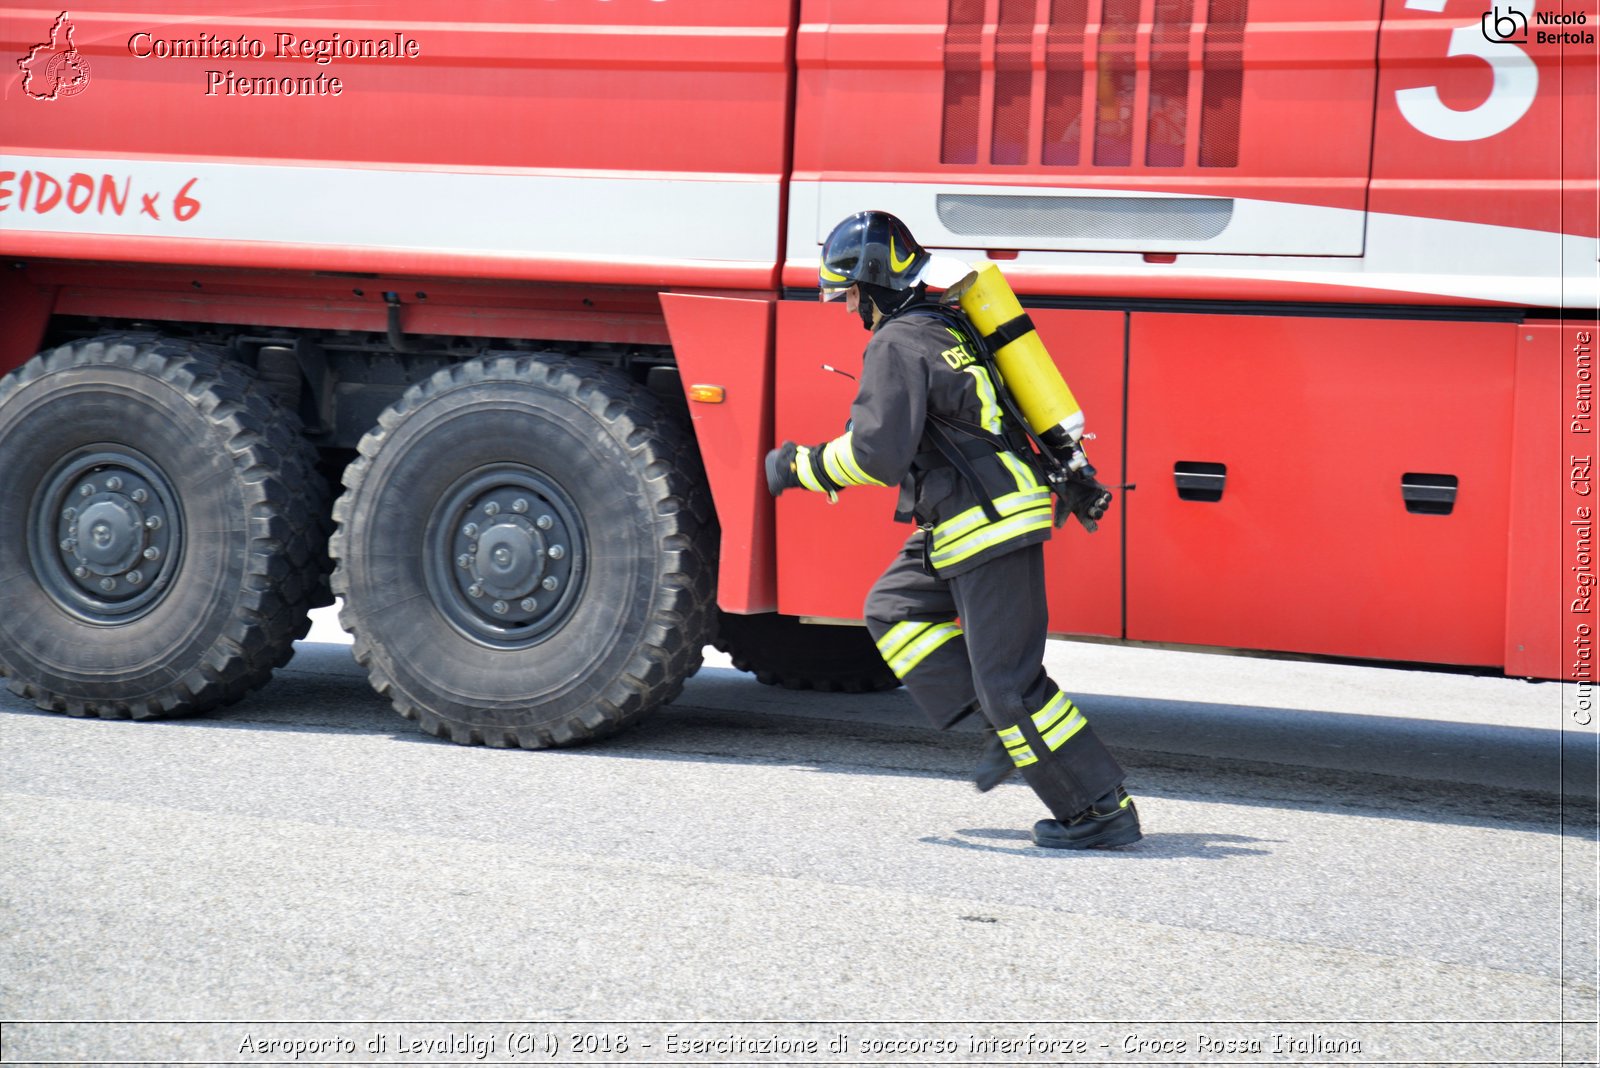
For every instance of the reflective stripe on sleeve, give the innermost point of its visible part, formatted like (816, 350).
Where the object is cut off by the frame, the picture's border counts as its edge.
(807, 475)
(839, 460)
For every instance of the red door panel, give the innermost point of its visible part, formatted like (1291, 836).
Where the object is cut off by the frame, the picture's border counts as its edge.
(828, 554)
(1311, 547)
(1083, 570)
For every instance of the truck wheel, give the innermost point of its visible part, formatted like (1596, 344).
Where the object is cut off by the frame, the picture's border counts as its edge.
(526, 553)
(157, 532)
(782, 651)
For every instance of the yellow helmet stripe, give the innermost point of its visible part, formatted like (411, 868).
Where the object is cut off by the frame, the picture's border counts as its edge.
(895, 261)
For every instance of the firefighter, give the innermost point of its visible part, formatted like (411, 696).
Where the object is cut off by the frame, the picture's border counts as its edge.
(959, 615)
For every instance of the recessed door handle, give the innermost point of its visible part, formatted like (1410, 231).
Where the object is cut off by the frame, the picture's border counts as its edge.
(1200, 481)
(1426, 494)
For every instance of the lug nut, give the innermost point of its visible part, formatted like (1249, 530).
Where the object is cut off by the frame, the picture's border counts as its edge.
(70, 515)
(557, 551)
(500, 608)
(470, 530)
(492, 508)
(140, 496)
(152, 553)
(153, 523)
(544, 522)
(113, 483)
(475, 590)
(86, 490)
(67, 545)
(550, 582)
(464, 560)
(519, 506)
(135, 577)
(80, 572)
(529, 604)
(108, 584)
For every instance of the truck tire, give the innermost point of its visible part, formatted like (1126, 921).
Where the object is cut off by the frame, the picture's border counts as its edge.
(158, 530)
(526, 552)
(782, 651)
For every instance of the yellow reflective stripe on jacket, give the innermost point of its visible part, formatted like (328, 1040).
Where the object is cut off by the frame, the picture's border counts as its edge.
(989, 416)
(1029, 492)
(839, 460)
(1019, 471)
(904, 650)
(969, 545)
(974, 517)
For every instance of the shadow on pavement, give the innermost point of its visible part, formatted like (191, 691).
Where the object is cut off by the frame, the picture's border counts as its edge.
(1153, 846)
(1429, 771)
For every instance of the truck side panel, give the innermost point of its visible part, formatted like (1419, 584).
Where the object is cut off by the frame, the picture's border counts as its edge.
(1335, 442)
(579, 145)
(1208, 149)
(1546, 603)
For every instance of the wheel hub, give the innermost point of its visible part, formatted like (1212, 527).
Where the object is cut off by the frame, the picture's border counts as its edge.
(105, 530)
(512, 545)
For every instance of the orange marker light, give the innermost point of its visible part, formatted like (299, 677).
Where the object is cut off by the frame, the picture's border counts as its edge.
(707, 394)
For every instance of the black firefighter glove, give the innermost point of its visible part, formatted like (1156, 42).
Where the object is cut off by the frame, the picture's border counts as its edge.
(1084, 499)
(792, 466)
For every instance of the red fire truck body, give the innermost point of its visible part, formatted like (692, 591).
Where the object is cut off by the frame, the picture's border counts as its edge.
(1318, 270)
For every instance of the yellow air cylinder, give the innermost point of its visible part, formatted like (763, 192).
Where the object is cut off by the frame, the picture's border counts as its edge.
(1042, 394)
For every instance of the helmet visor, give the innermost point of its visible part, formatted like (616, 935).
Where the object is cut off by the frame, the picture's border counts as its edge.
(835, 292)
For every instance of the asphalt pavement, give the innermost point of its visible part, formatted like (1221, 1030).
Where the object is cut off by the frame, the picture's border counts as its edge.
(1341, 865)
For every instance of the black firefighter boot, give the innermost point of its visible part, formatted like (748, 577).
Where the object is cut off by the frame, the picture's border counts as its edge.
(1111, 821)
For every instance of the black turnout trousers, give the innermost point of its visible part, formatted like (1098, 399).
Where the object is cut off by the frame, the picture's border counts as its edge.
(979, 637)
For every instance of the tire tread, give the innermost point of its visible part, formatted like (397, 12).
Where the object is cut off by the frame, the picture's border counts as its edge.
(686, 602)
(284, 497)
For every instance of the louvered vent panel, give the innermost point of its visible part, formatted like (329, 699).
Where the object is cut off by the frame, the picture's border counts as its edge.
(1113, 110)
(1063, 83)
(1013, 82)
(963, 84)
(1172, 96)
(1167, 129)
(1223, 97)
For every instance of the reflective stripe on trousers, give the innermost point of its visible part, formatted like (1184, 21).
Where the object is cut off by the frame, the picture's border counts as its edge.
(1056, 722)
(906, 645)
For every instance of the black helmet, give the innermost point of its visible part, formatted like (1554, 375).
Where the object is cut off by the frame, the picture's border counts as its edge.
(872, 248)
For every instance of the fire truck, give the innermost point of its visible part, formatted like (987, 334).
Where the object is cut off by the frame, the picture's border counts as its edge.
(482, 319)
